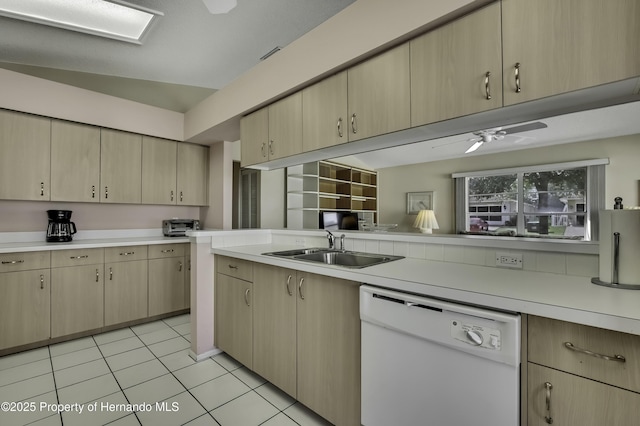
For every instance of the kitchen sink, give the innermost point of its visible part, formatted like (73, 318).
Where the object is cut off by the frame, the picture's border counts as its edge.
(348, 259)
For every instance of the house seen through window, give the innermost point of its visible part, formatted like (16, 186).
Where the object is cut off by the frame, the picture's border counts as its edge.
(540, 202)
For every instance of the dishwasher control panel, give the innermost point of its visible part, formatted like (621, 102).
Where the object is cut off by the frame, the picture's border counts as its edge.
(476, 335)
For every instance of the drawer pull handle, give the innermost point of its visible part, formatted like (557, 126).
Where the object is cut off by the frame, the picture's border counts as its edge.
(246, 296)
(12, 262)
(233, 267)
(548, 417)
(84, 256)
(127, 253)
(289, 288)
(618, 358)
(167, 251)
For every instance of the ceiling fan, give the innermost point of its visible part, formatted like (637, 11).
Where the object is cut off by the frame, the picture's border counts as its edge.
(496, 134)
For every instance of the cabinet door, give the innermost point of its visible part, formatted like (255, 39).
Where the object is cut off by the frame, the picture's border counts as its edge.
(379, 94)
(324, 113)
(285, 127)
(455, 68)
(24, 307)
(328, 341)
(120, 167)
(75, 162)
(77, 299)
(274, 326)
(166, 285)
(125, 291)
(187, 280)
(233, 318)
(159, 160)
(567, 45)
(193, 174)
(574, 400)
(254, 137)
(25, 156)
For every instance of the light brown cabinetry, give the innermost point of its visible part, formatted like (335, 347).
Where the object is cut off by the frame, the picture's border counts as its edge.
(233, 308)
(581, 375)
(120, 167)
(125, 285)
(159, 161)
(552, 47)
(324, 113)
(25, 154)
(166, 278)
(75, 162)
(77, 291)
(24, 298)
(379, 94)
(254, 137)
(192, 175)
(456, 69)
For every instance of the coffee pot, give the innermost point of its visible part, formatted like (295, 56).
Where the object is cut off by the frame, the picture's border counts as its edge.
(60, 228)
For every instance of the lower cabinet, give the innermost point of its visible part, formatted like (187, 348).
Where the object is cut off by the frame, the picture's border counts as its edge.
(298, 330)
(581, 375)
(125, 286)
(166, 278)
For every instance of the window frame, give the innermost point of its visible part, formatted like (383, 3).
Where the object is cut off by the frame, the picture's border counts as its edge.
(595, 193)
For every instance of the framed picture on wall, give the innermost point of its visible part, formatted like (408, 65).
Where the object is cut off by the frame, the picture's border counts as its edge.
(417, 201)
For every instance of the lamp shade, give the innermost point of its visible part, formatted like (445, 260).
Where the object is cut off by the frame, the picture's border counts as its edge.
(426, 221)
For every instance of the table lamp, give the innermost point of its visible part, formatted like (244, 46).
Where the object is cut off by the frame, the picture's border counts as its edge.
(426, 221)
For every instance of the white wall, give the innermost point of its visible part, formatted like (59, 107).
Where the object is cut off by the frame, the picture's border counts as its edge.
(622, 176)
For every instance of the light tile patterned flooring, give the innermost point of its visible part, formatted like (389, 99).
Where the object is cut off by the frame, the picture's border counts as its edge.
(143, 365)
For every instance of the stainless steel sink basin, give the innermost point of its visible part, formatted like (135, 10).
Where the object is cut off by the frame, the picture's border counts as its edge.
(347, 259)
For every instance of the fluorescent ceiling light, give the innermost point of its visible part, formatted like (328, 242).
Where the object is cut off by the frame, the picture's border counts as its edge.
(120, 21)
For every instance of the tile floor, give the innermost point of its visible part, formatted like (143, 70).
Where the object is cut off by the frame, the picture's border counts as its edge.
(139, 375)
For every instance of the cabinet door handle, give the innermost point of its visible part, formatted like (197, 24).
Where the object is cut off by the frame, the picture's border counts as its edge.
(180, 196)
(179, 266)
(110, 274)
(300, 288)
(487, 87)
(97, 275)
(289, 288)
(354, 123)
(339, 125)
(84, 256)
(548, 386)
(106, 192)
(517, 76)
(232, 267)
(167, 251)
(172, 195)
(42, 189)
(246, 296)
(262, 151)
(41, 282)
(12, 262)
(270, 147)
(618, 358)
(93, 191)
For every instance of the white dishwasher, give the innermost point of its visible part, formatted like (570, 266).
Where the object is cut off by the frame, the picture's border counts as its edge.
(428, 362)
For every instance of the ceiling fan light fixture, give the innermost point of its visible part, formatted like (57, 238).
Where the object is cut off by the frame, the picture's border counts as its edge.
(218, 7)
(111, 19)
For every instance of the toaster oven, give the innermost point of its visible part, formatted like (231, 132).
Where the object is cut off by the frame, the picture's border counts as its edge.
(178, 227)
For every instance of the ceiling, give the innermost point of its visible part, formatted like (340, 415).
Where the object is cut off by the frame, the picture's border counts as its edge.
(185, 57)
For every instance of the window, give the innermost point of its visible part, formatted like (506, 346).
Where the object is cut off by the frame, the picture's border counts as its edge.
(558, 201)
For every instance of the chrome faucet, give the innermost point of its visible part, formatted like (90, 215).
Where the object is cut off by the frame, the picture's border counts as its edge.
(331, 238)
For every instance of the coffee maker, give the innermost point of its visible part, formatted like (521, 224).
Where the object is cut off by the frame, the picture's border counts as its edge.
(60, 228)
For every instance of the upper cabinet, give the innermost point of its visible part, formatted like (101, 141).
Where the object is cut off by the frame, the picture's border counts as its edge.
(272, 132)
(120, 167)
(159, 161)
(75, 162)
(456, 69)
(379, 94)
(556, 46)
(193, 176)
(25, 152)
(324, 113)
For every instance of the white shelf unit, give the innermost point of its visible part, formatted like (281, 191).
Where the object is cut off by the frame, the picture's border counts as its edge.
(323, 185)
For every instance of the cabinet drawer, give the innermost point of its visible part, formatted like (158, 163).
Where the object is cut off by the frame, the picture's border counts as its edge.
(238, 268)
(159, 251)
(60, 258)
(548, 341)
(11, 262)
(124, 253)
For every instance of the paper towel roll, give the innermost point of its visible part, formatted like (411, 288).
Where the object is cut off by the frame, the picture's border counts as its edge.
(626, 223)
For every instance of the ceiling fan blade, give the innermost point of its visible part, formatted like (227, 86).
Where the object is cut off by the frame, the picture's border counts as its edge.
(475, 146)
(524, 128)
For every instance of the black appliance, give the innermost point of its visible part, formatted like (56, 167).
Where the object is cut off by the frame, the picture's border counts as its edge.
(338, 220)
(60, 228)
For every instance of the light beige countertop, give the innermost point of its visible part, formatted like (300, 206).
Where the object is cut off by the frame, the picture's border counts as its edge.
(563, 297)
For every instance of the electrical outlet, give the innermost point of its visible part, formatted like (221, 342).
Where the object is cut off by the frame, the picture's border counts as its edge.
(509, 260)
(300, 242)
